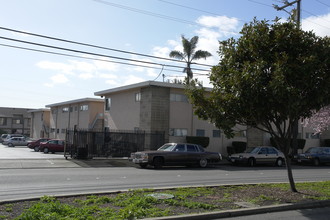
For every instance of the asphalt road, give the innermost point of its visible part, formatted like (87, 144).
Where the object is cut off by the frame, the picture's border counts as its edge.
(26, 174)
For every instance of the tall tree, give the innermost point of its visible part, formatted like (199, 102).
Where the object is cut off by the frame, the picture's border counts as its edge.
(189, 54)
(271, 76)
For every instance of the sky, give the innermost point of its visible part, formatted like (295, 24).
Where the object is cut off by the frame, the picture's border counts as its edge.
(54, 51)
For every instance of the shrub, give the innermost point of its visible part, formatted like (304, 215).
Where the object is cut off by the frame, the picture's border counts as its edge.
(203, 141)
(327, 142)
(301, 143)
(239, 146)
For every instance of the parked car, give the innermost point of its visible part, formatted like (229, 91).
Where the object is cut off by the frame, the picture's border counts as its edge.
(17, 141)
(55, 145)
(258, 155)
(175, 154)
(35, 144)
(3, 137)
(315, 156)
(5, 141)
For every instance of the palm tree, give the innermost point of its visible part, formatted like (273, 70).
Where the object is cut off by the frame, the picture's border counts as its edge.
(189, 54)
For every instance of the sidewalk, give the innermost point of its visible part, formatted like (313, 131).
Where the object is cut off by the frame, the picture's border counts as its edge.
(36, 163)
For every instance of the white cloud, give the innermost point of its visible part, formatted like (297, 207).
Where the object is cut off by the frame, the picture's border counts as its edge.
(132, 79)
(62, 67)
(318, 24)
(86, 76)
(59, 78)
(224, 25)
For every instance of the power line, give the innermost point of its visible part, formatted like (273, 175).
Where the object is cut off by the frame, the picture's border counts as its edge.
(322, 3)
(95, 46)
(146, 12)
(93, 54)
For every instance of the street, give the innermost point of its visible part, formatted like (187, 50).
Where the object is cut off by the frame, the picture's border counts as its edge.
(51, 174)
(28, 174)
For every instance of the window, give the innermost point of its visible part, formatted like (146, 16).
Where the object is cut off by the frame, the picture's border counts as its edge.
(240, 133)
(52, 130)
(178, 132)
(312, 136)
(3, 121)
(17, 121)
(180, 148)
(216, 133)
(138, 97)
(65, 109)
(178, 98)
(63, 131)
(54, 111)
(84, 108)
(200, 132)
(192, 148)
(107, 104)
(76, 108)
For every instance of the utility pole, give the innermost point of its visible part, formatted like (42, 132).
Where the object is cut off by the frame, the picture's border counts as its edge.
(287, 4)
(295, 127)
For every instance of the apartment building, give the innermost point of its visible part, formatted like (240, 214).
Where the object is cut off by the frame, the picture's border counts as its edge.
(159, 106)
(15, 120)
(85, 113)
(40, 123)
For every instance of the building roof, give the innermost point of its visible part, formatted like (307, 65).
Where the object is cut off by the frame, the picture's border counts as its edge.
(40, 110)
(76, 101)
(141, 85)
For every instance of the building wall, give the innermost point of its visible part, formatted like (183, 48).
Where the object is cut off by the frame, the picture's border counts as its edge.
(40, 124)
(15, 120)
(124, 113)
(69, 116)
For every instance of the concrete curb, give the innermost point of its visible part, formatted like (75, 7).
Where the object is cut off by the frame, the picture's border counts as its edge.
(247, 211)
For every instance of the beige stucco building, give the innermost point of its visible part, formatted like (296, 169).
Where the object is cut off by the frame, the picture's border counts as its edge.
(40, 123)
(15, 120)
(85, 113)
(159, 106)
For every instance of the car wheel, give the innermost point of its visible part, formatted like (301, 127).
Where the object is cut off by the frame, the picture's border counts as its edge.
(143, 165)
(36, 149)
(279, 162)
(203, 162)
(10, 145)
(46, 150)
(316, 162)
(158, 162)
(251, 162)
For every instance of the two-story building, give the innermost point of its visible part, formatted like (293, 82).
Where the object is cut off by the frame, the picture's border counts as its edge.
(15, 120)
(85, 113)
(159, 106)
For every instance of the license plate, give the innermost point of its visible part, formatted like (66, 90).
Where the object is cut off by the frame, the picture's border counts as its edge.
(136, 161)
(299, 161)
(233, 160)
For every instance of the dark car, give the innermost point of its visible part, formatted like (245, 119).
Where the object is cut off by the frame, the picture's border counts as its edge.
(175, 154)
(315, 156)
(53, 146)
(258, 155)
(35, 144)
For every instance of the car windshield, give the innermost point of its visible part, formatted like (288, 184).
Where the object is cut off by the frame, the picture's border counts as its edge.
(252, 150)
(166, 147)
(313, 150)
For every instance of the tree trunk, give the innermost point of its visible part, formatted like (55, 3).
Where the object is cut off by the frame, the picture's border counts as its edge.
(290, 175)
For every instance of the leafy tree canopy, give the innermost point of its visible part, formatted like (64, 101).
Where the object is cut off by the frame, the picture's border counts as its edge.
(272, 75)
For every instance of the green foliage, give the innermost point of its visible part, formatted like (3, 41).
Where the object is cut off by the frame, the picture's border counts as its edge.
(203, 141)
(271, 76)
